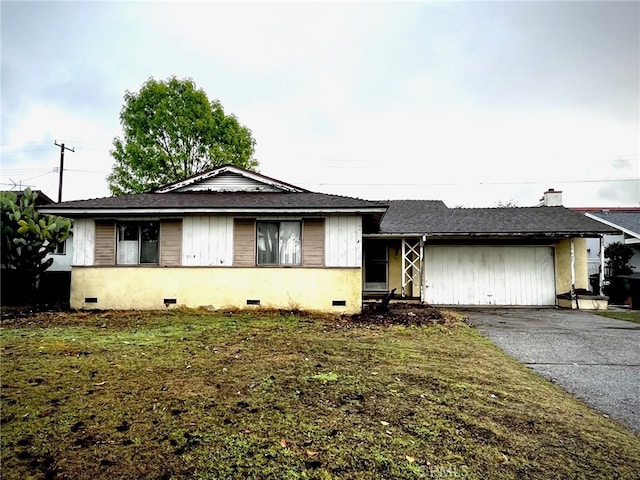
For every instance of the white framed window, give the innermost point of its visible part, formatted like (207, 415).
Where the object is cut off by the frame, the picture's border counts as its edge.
(138, 243)
(279, 242)
(61, 248)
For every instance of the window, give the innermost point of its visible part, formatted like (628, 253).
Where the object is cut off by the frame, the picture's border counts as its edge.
(279, 243)
(375, 265)
(60, 248)
(138, 243)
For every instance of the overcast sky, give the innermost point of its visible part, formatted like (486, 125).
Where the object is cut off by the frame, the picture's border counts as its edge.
(469, 102)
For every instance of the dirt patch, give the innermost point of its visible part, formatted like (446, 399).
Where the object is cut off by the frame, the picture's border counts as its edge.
(33, 317)
(397, 313)
(401, 313)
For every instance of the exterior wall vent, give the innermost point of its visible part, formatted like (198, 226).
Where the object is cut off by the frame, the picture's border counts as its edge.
(253, 302)
(339, 303)
(170, 301)
(91, 300)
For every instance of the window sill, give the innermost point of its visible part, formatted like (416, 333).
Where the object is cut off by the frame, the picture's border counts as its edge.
(277, 266)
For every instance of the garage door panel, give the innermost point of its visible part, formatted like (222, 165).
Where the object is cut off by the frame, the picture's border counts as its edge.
(490, 275)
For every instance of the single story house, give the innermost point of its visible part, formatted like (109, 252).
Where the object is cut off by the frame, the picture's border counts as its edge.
(231, 238)
(226, 238)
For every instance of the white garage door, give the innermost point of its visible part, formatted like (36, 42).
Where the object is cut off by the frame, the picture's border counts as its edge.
(490, 275)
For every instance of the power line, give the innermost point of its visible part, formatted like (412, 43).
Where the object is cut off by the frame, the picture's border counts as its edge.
(86, 171)
(467, 183)
(41, 175)
(28, 151)
(23, 170)
(34, 142)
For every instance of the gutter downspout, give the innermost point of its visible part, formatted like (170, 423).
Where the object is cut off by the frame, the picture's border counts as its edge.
(423, 277)
(601, 273)
(573, 274)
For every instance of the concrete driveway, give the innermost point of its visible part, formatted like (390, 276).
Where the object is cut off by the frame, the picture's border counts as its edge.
(595, 358)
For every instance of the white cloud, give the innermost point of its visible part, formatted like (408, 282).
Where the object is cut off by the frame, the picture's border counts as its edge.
(31, 151)
(472, 102)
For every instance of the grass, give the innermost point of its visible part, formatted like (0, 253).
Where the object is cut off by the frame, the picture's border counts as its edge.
(201, 395)
(627, 315)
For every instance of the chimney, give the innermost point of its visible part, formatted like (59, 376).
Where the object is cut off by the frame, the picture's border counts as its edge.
(551, 198)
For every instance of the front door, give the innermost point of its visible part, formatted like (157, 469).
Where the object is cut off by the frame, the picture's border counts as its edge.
(376, 265)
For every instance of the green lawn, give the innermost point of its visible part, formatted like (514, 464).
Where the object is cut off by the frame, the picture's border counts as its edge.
(203, 395)
(628, 315)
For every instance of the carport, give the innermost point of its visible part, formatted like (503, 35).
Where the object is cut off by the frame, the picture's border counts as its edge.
(523, 256)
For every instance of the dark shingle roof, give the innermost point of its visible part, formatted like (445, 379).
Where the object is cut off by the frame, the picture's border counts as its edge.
(627, 220)
(405, 215)
(431, 218)
(207, 201)
(41, 199)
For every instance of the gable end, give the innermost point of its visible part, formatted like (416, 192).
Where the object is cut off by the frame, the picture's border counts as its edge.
(229, 178)
(228, 182)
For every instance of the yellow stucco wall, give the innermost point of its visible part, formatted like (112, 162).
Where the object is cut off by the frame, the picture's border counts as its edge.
(288, 288)
(395, 267)
(563, 264)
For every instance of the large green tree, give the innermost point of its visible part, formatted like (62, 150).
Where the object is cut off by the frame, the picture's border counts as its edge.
(172, 131)
(27, 238)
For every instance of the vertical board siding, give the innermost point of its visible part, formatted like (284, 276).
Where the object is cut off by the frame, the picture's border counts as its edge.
(207, 241)
(221, 241)
(171, 242)
(313, 242)
(343, 241)
(105, 251)
(490, 275)
(229, 182)
(84, 236)
(244, 242)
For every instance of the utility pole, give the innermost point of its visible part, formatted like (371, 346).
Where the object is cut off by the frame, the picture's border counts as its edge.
(62, 149)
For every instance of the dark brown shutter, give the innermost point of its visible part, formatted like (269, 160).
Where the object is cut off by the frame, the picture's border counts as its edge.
(105, 251)
(313, 242)
(244, 242)
(171, 242)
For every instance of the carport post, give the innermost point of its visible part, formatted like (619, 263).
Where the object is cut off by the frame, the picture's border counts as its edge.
(601, 275)
(423, 270)
(573, 269)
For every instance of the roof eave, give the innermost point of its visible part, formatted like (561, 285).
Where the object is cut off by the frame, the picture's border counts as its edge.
(88, 212)
(613, 225)
(493, 234)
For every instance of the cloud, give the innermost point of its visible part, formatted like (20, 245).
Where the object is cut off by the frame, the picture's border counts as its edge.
(620, 194)
(543, 55)
(470, 101)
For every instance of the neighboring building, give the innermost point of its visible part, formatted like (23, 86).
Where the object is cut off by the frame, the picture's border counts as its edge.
(64, 252)
(230, 238)
(626, 220)
(55, 282)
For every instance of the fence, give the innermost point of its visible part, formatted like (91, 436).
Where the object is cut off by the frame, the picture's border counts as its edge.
(594, 268)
